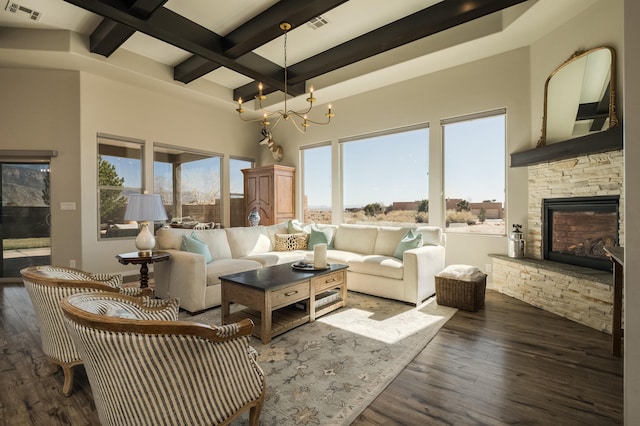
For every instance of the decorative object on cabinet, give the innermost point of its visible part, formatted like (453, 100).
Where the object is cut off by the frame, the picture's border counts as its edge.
(276, 150)
(270, 190)
(254, 218)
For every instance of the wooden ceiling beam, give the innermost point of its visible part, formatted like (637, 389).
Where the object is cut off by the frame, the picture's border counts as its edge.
(174, 29)
(431, 20)
(234, 51)
(109, 35)
(254, 33)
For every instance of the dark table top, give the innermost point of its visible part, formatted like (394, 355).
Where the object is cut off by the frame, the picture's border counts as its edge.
(275, 276)
(135, 257)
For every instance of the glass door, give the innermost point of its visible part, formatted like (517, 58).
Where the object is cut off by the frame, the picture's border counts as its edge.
(25, 217)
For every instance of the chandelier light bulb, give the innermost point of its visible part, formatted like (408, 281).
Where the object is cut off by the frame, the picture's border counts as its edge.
(303, 121)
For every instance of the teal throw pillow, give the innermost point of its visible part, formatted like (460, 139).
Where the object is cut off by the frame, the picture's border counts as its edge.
(408, 242)
(193, 244)
(320, 236)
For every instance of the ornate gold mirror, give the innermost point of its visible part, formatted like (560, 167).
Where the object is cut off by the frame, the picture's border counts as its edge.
(579, 96)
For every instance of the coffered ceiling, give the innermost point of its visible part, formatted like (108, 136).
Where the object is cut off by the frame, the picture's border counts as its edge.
(222, 49)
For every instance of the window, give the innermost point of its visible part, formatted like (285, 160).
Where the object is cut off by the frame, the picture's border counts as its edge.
(189, 184)
(386, 177)
(119, 174)
(236, 184)
(474, 173)
(316, 181)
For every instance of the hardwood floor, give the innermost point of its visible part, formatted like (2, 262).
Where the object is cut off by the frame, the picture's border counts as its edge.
(507, 364)
(510, 363)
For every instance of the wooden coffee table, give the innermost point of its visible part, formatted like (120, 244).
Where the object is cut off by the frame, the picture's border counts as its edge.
(279, 298)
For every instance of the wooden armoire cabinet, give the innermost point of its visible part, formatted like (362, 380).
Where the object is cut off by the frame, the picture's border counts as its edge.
(271, 191)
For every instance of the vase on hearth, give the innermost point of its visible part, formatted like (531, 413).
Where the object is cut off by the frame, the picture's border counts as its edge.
(254, 218)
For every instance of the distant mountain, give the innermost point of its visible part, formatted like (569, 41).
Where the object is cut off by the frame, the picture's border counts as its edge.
(22, 186)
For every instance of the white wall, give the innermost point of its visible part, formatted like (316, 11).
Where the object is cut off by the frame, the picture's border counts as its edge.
(39, 110)
(121, 109)
(599, 25)
(632, 207)
(497, 82)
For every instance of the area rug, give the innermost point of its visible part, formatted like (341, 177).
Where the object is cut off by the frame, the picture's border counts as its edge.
(327, 372)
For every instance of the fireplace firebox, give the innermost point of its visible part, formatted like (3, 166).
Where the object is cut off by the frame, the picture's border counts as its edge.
(576, 230)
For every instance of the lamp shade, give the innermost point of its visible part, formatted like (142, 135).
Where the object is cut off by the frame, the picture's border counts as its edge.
(142, 207)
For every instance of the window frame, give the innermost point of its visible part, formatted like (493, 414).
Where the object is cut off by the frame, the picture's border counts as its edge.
(388, 132)
(303, 176)
(116, 143)
(231, 194)
(167, 149)
(466, 118)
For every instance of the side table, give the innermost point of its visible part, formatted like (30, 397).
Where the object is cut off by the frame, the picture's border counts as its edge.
(617, 257)
(135, 258)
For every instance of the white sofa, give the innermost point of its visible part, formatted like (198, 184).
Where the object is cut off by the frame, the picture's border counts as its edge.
(368, 250)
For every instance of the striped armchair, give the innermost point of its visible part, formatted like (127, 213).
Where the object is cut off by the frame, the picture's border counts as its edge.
(147, 368)
(47, 286)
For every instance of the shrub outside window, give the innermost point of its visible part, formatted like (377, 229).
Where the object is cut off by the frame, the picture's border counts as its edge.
(119, 174)
(386, 177)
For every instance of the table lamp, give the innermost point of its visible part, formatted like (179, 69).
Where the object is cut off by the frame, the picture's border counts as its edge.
(144, 208)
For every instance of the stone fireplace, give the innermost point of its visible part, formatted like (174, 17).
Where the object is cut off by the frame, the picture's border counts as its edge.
(586, 176)
(576, 230)
(580, 293)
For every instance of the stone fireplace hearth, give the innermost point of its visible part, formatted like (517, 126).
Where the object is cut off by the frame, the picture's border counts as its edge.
(581, 294)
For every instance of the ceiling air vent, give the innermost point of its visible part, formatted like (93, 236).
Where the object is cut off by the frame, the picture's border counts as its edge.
(317, 22)
(31, 14)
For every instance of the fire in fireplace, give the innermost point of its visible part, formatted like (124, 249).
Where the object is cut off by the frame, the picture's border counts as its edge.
(576, 230)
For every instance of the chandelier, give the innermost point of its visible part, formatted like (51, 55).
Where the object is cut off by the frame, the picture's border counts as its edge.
(300, 119)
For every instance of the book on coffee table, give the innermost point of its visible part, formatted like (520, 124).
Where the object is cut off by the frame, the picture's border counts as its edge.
(322, 299)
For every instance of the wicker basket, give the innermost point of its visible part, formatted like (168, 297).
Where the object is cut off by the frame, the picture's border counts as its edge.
(465, 295)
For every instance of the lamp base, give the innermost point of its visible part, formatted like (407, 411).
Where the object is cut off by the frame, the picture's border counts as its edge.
(145, 241)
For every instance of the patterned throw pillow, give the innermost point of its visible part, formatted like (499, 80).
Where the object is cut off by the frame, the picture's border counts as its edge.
(289, 242)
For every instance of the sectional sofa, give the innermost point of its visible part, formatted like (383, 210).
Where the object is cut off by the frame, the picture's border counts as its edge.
(368, 250)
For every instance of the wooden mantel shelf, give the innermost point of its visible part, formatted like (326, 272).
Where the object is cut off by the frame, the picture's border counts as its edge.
(608, 140)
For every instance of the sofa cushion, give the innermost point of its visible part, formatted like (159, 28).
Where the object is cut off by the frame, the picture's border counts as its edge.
(272, 230)
(356, 238)
(320, 235)
(245, 241)
(410, 241)
(335, 256)
(170, 238)
(220, 267)
(431, 235)
(276, 257)
(290, 242)
(383, 266)
(193, 244)
(388, 238)
(216, 240)
(294, 227)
